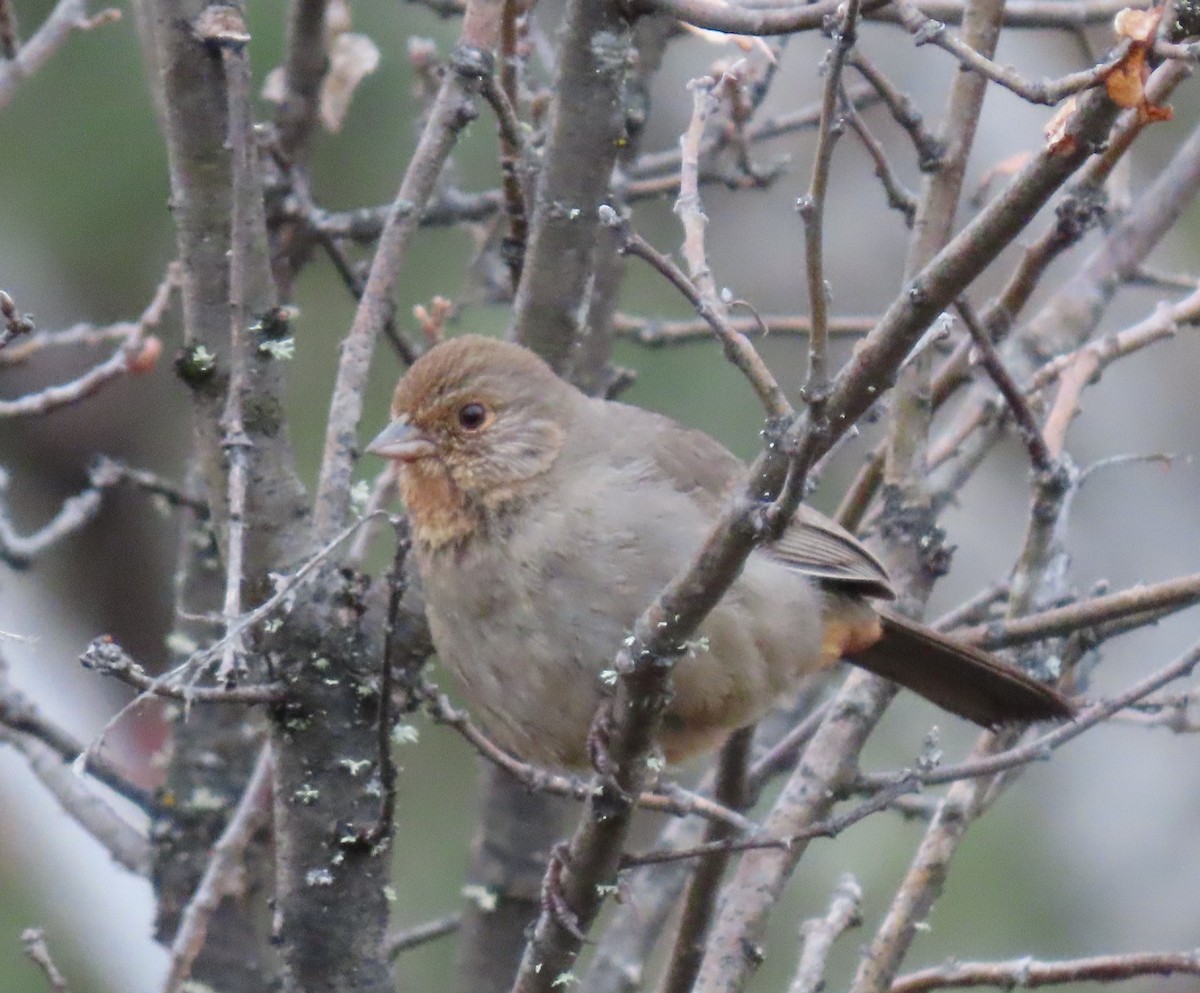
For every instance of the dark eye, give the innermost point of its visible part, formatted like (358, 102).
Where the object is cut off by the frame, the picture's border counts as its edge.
(472, 415)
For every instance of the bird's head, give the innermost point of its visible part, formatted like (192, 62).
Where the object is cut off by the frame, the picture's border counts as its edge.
(475, 422)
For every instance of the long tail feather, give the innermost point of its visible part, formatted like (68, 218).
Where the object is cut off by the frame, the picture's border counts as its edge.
(964, 680)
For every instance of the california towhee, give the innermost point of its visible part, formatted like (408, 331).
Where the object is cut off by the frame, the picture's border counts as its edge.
(545, 521)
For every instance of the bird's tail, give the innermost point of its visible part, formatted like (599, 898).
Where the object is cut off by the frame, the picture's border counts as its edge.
(960, 678)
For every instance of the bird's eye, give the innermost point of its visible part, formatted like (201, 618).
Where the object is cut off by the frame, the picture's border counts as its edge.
(472, 416)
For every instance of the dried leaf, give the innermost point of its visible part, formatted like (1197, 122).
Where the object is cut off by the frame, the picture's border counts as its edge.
(1126, 84)
(1058, 139)
(352, 57)
(1137, 25)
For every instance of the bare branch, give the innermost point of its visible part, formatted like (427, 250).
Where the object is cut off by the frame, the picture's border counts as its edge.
(224, 872)
(925, 30)
(1028, 973)
(400, 942)
(1151, 602)
(137, 353)
(930, 148)
(106, 657)
(452, 111)
(700, 901)
(34, 940)
(989, 358)
(68, 16)
(818, 934)
(738, 349)
(19, 714)
(898, 197)
(584, 134)
(654, 332)
(716, 15)
(1039, 749)
(669, 800)
(811, 208)
(128, 847)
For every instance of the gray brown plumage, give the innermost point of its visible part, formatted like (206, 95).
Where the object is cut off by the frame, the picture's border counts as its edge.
(545, 521)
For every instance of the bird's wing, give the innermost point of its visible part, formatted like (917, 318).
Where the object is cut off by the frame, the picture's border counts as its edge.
(700, 466)
(694, 463)
(820, 547)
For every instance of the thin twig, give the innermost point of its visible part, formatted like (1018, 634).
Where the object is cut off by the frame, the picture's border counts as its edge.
(1040, 748)
(126, 358)
(1027, 425)
(811, 207)
(925, 30)
(452, 111)
(817, 935)
(655, 332)
(19, 714)
(34, 940)
(669, 800)
(898, 197)
(1028, 973)
(398, 943)
(106, 657)
(68, 16)
(1152, 601)
(830, 827)
(127, 846)
(224, 872)
(737, 347)
(930, 148)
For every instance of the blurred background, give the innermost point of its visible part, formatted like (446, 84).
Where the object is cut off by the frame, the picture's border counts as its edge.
(1093, 852)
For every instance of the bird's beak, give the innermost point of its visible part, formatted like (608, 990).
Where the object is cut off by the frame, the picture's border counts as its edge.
(402, 440)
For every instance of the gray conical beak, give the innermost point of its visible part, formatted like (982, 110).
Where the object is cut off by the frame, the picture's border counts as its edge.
(402, 440)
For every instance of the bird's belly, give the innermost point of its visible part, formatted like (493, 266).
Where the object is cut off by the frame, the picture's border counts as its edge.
(528, 644)
(527, 656)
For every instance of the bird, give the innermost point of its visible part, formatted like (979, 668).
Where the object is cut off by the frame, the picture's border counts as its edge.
(544, 521)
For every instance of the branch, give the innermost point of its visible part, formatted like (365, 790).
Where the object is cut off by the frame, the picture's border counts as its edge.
(655, 332)
(1040, 748)
(452, 111)
(584, 135)
(108, 658)
(399, 942)
(305, 63)
(1027, 425)
(738, 349)
(34, 940)
(136, 353)
(930, 148)
(68, 16)
(811, 208)
(19, 714)
(818, 934)
(1028, 973)
(926, 30)
(898, 198)
(1153, 601)
(700, 901)
(717, 15)
(672, 800)
(127, 846)
(223, 875)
